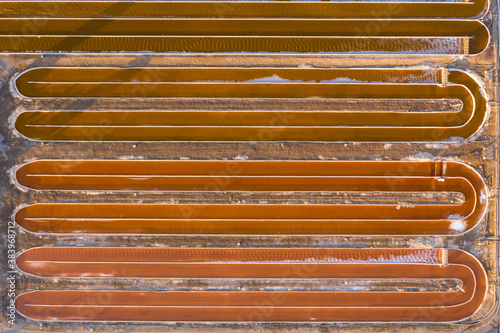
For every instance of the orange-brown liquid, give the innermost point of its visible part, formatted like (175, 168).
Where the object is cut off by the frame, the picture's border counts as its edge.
(238, 26)
(333, 27)
(389, 218)
(242, 9)
(239, 125)
(387, 264)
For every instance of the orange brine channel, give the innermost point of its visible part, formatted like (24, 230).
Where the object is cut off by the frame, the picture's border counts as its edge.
(388, 218)
(284, 84)
(390, 265)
